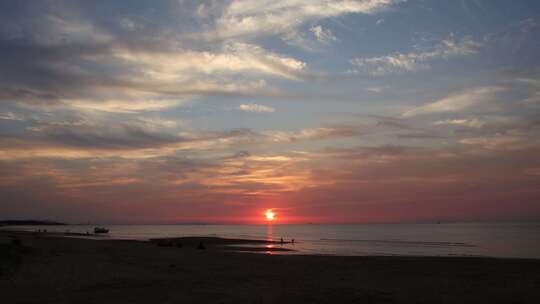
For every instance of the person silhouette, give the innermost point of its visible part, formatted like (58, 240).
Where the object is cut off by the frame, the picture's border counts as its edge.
(281, 241)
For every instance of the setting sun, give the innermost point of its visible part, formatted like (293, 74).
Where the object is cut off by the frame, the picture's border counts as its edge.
(270, 215)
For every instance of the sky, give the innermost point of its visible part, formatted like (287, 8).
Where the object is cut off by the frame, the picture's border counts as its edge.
(325, 111)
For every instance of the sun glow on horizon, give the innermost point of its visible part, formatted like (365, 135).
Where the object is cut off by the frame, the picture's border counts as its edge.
(270, 215)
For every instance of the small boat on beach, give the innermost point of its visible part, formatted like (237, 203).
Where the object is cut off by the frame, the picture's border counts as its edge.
(101, 230)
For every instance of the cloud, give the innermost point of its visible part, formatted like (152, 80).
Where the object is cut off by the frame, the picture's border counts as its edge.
(10, 116)
(314, 133)
(498, 142)
(124, 106)
(377, 89)
(469, 123)
(342, 184)
(533, 171)
(95, 137)
(324, 36)
(314, 40)
(533, 98)
(88, 96)
(458, 102)
(419, 135)
(514, 47)
(252, 107)
(411, 62)
(486, 125)
(255, 17)
(119, 62)
(235, 58)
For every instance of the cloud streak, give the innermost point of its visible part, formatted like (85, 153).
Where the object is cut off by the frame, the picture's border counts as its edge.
(249, 17)
(414, 61)
(252, 107)
(458, 102)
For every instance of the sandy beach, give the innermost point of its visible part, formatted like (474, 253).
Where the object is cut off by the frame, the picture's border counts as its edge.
(48, 268)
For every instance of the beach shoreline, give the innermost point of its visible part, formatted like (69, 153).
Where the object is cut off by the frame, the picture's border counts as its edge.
(48, 268)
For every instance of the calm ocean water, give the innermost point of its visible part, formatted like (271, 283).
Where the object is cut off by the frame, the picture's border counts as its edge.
(519, 240)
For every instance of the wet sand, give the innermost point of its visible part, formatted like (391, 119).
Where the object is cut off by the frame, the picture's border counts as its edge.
(47, 268)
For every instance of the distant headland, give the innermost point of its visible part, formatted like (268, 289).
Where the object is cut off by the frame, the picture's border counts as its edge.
(29, 223)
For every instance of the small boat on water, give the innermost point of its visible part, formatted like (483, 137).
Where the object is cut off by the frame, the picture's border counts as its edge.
(101, 230)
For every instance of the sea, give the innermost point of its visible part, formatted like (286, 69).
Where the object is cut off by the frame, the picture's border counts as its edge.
(501, 240)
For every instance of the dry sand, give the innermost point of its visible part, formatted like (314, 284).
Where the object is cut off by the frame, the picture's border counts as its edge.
(53, 269)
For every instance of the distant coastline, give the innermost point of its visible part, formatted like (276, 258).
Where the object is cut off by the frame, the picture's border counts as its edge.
(30, 223)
